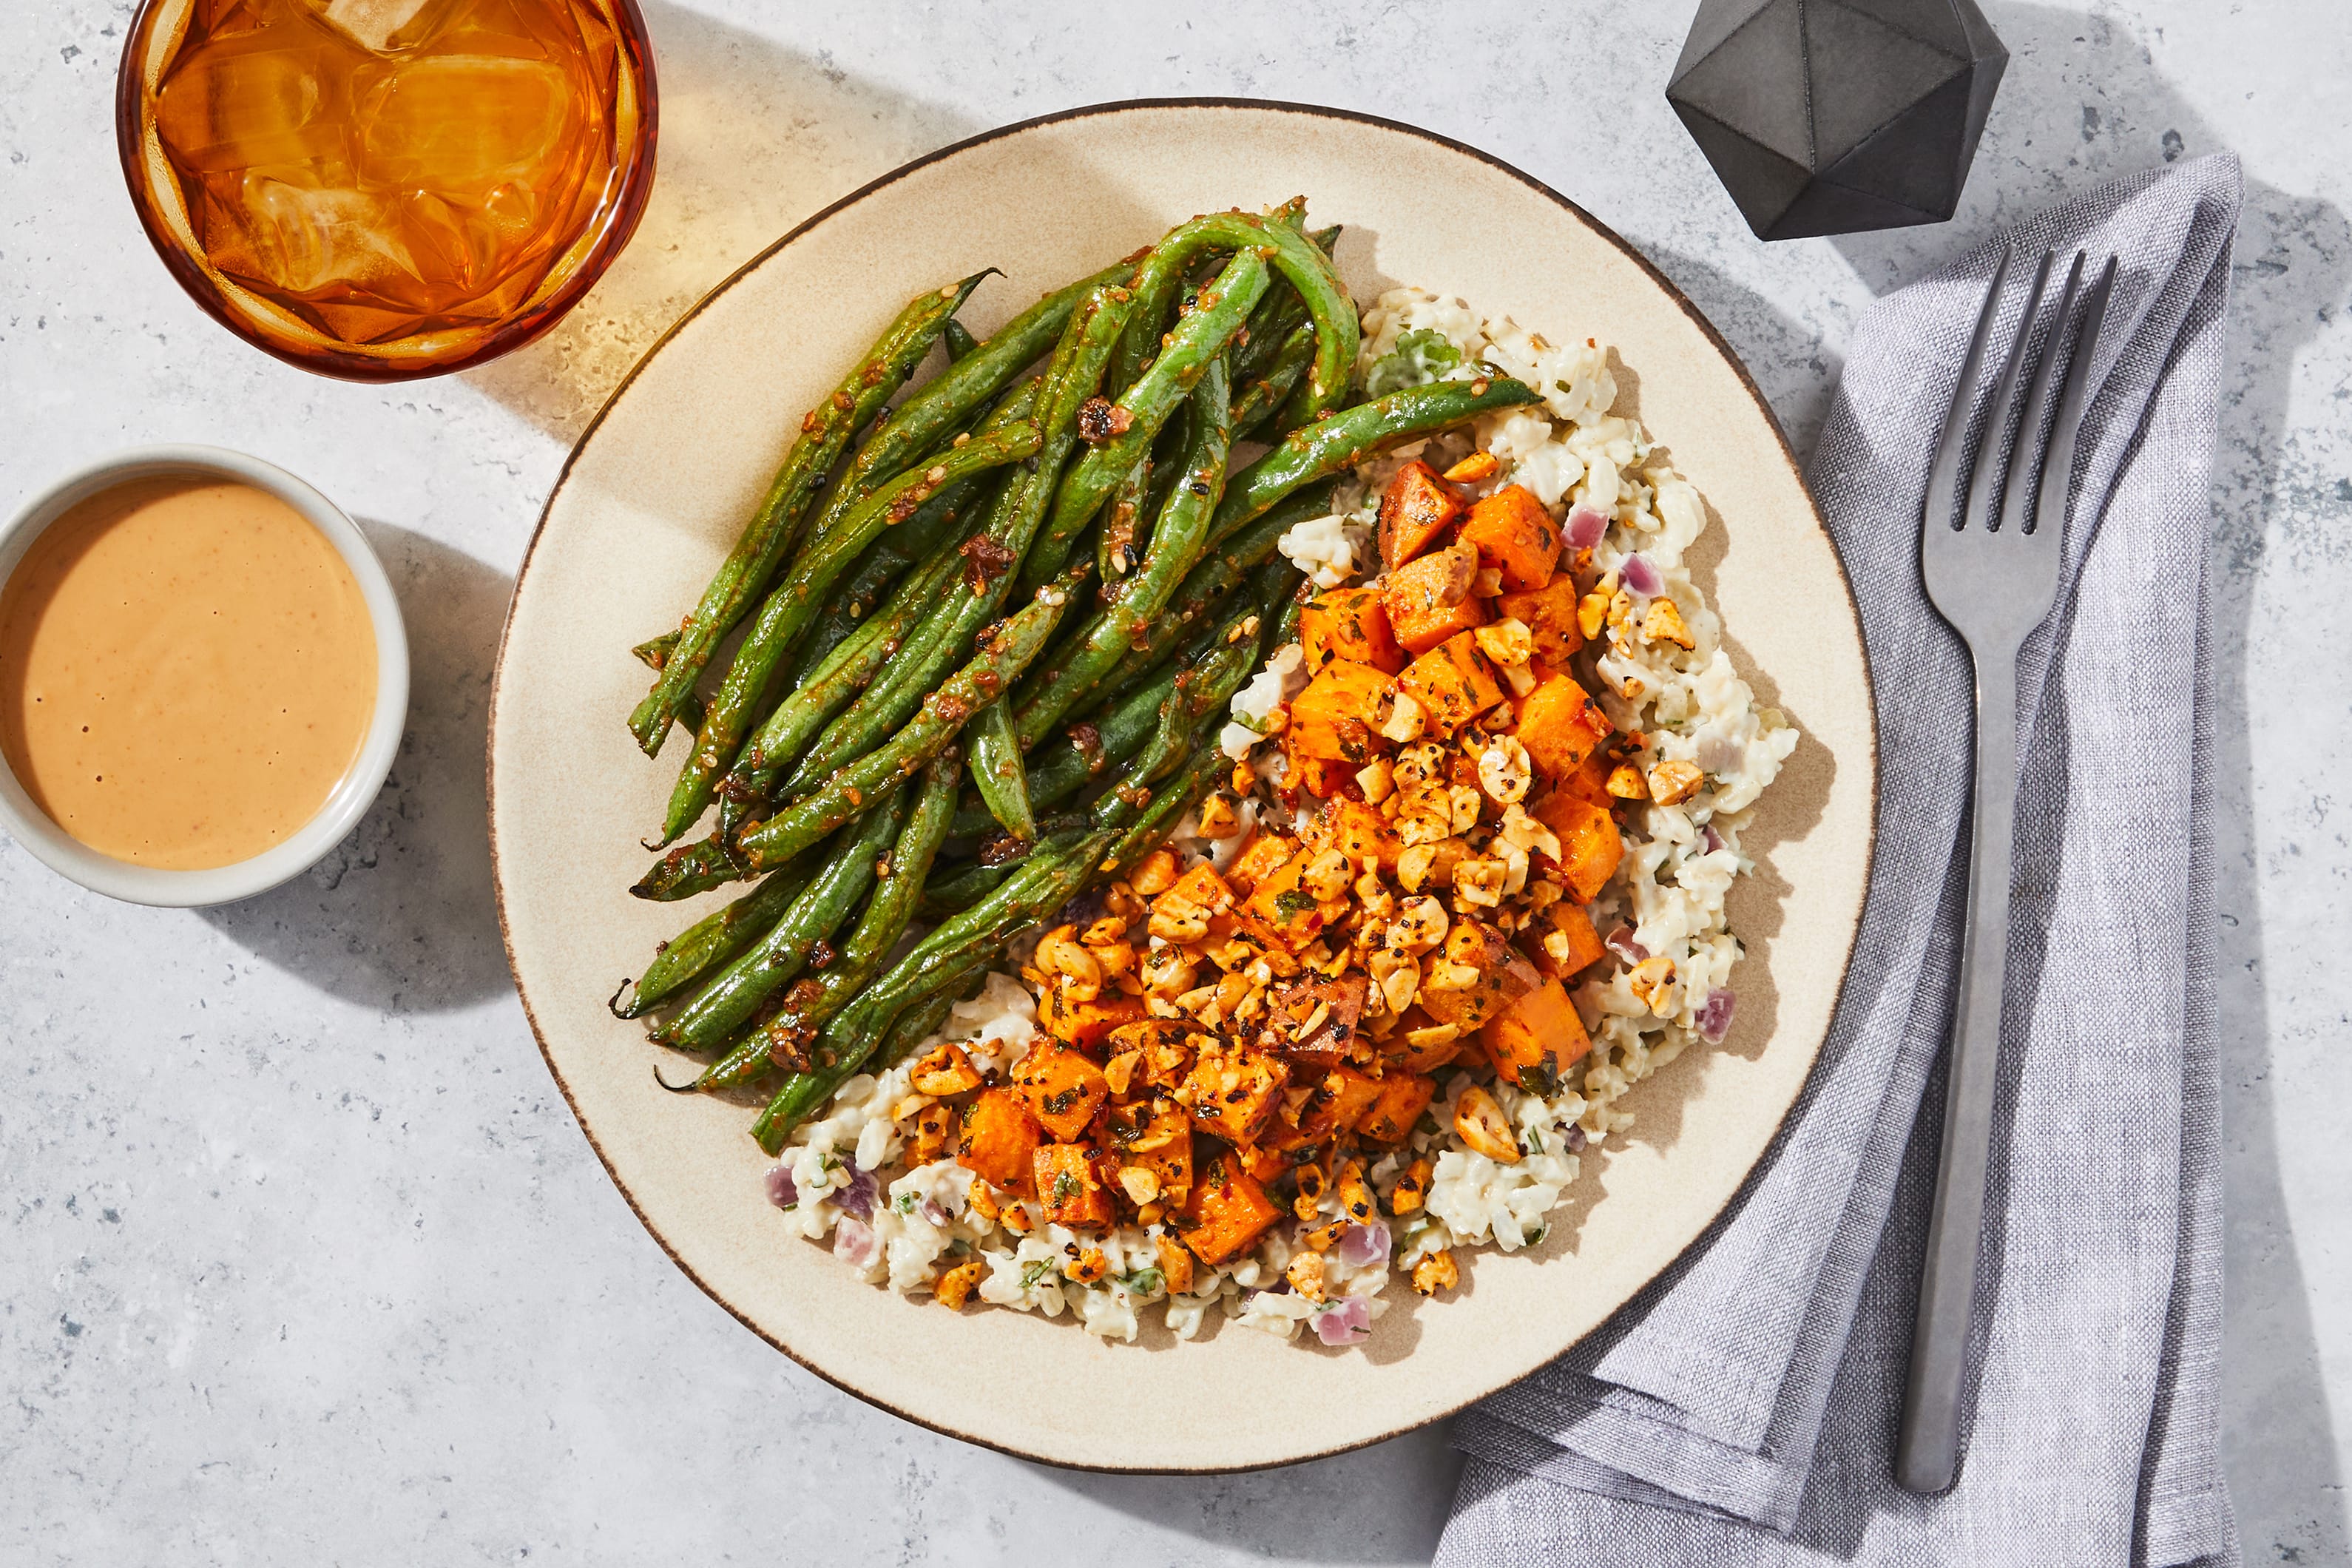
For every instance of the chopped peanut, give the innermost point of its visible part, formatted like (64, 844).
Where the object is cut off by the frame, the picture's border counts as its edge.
(1377, 780)
(1323, 1237)
(1435, 1273)
(1420, 925)
(1218, 818)
(1058, 952)
(1507, 642)
(1306, 1275)
(1482, 1124)
(1664, 623)
(1475, 467)
(954, 1287)
(1087, 1266)
(1672, 783)
(1625, 783)
(1504, 771)
(1142, 1184)
(1404, 724)
(1155, 876)
(1411, 1190)
(944, 1070)
(1652, 981)
(1175, 1264)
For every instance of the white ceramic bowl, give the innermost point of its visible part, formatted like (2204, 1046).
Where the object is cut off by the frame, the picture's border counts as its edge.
(31, 826)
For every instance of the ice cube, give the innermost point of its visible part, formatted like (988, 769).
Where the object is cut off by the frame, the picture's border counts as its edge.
(461, 126)
(384, 26)
(240, 103)
(308, 238)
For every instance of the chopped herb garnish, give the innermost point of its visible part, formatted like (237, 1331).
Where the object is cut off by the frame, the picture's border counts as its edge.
(1143, 1281)
(1034, 1272)
(1420, 356)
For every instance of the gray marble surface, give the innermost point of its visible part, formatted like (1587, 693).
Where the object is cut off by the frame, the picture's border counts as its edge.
(304, 1260)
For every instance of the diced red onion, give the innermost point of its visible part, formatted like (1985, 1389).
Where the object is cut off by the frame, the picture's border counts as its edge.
(1345, 1321)
(1363, 1245)
(1719, 755)
(1620, 943)
(1575, 1138)
(858, 1197)
(1641, 577)
(1710, 837)
(854, 1243)
(931, 1209)
(781, 1192)
(1715, 1015)
(1584, 527)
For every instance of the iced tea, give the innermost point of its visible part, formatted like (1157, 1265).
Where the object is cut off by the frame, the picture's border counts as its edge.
(380, 188)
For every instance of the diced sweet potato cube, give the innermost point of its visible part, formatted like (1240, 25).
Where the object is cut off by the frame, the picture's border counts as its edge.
(1203, 887)
(1549, 615)
(1322, 777)
(1590, 782)
(1590, 844)
(1086, 1025)
(1496, 975)
(1364, 836)
(1340, 1102)
(1417, 507)
(1419, 1044)
(1063, 1087)
(1294, 1002)
(1286, 907)
(1453, 682)
(1514, 534)
(1333, 717)
(1266, 852)
(1263, 1164)
(1233, 1089)
(1350, 625)
(1535, 1039)
(1156, 1137)
(1402, 1098)
(1227, 1211)
(1558, 724)
(1429, 600)
(999, 1139)
(1068, 1187)
(1574, 927)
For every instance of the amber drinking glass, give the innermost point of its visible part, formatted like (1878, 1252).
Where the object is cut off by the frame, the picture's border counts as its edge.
(380, 189)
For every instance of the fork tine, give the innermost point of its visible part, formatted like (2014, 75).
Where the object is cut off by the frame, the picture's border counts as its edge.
(2058, 469)
(1986, 473)
(1943, 477)
(2014, 491)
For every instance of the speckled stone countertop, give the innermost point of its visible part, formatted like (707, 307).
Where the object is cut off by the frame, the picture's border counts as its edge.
(304, 1259)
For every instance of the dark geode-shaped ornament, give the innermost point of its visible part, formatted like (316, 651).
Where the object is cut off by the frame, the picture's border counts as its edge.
(1836, 116)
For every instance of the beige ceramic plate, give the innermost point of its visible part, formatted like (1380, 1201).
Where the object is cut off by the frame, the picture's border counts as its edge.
(653, 498)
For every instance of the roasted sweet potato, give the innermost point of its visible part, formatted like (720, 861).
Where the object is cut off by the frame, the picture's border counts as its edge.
(1203, 887)
(1339, 1103)
(1349, 624)
(1363, 835)
(1535, 1039)
(1068, 1187)
(999, 1139)
(1549, 615)
(1086, 1025)
(1574, 927)
(1453, 682)
(1558, 724)
(1333, 717)
(1493, 973)
(1064, 1089)
(1233, 1089)
(1227, 1212)
(1286, 907)
(1266, 853)
(1429, 600)
(1321, 777)
(1514, 534)
(1590, 782)
(1402, 1098)
(1590, 844)
(1156, 1137)
(1417, 507)
(1294, 1002)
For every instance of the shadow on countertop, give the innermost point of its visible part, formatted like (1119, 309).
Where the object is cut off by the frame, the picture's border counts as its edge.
(400, 916)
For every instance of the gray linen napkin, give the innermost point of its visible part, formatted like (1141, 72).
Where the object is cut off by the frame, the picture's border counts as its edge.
(1742, 1409)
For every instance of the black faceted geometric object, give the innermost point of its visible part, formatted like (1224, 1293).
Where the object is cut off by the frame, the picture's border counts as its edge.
(1835, 116)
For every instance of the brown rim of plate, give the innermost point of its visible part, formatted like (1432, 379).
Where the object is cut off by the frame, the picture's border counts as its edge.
(1122, 106)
